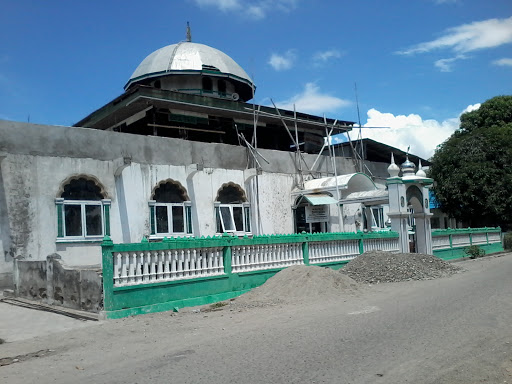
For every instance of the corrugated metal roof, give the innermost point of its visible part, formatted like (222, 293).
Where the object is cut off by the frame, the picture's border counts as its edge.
(360, 181)
(366, 196)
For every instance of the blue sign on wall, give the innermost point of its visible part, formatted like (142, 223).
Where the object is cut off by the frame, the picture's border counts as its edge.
(433, 203)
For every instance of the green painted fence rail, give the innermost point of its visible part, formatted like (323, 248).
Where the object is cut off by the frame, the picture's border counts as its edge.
(449, 244)
(179, 272)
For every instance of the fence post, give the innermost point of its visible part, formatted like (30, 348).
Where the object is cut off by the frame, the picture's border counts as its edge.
(226, 253)
(108, 273)
(361, 245)
(305, 252)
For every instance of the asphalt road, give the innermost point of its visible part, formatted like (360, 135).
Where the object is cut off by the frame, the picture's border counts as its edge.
(449, 330)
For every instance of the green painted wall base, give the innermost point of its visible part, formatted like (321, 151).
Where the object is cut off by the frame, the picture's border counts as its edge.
(458, 252)
(170, 305)
(175, 295)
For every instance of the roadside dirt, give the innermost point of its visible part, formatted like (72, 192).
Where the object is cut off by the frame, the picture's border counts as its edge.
(308, 320)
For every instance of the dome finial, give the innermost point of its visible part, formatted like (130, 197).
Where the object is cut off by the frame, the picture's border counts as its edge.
(408, 167)
(189, 35)
(393, 169)
(421, 172)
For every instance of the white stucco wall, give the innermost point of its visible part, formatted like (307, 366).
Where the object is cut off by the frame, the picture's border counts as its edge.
(33, 183)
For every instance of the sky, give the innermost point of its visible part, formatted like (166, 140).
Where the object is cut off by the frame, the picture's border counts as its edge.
(411, 67)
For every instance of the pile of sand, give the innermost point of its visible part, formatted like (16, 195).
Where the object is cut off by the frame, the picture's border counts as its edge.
(299, 284)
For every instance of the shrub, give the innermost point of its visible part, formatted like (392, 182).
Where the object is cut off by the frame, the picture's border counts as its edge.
(474, 251)
(507, 241)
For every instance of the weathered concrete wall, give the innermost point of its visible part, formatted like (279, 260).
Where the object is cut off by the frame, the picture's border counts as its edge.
(32, 183)
(6, 251)
(274, 205)
(57, 141)
(30, 280)
(53, 282)
(75, 287)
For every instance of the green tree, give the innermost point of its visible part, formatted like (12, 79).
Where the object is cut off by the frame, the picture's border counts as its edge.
(472, 170)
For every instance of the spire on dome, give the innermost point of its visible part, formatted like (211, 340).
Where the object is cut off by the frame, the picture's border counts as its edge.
(189, 34)
(408, 167)
(421, 172)
(393, 169)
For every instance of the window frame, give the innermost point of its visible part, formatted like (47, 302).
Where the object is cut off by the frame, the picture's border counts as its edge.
(104, 205)
(246, 218)
(187, 219)
(377, 222)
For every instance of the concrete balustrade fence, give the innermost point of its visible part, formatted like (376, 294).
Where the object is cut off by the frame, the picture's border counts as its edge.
(175, 273)
(451, 244)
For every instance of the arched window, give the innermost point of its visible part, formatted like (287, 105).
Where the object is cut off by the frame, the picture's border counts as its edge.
(232, 211)
(221, 87)
(207, 84)
(170, 210)
(82, 210)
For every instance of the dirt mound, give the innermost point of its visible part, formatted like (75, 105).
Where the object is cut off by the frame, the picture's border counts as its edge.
(299, 284)
(386, 267)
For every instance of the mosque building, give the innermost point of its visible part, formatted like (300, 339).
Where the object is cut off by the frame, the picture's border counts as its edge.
(181, 152)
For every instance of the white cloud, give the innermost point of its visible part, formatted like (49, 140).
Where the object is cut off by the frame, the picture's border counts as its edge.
(311, 100)
(469, 37)
(445, 65)
(284, 61)
(422, 135)
(323, 56)
(471, 108)
(505, 62)
(255, 10)
(223, 5)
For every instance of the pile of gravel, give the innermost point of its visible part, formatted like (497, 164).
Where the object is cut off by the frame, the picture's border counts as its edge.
(386, 267)
(297, 284)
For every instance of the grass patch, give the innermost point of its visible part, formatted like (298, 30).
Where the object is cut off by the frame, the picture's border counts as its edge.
(220, 304)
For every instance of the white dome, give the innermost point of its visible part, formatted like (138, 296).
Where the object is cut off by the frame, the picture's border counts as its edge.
(188, 56)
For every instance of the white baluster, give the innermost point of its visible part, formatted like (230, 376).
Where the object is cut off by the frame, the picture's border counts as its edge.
(117, 268)
(132, 269)
(165, 260)
(220, 253)
(211, 258)
(173, 259)
(191, 253)
(246, 257)
(180, 263)
(204, 261)
(145, 267)
(152, 256)
(186, 262)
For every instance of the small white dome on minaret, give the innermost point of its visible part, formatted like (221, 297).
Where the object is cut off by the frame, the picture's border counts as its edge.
(421, 172)
(393, 169)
